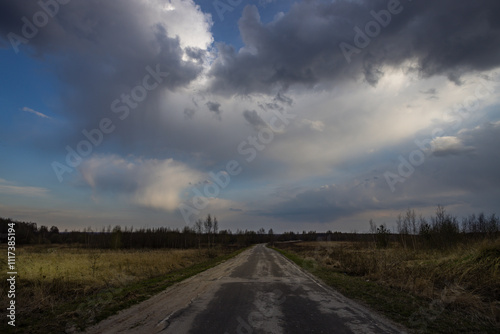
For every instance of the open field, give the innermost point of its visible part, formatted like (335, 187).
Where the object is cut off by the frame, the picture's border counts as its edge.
(429, 291)
(67, 288)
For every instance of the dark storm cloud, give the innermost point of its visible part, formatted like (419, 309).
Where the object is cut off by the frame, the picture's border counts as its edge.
(302, 46)
(280, 101)
(196, 53)
(215, 108)
(100, 51)
(281, 97)
(253, 118)
(105, 38)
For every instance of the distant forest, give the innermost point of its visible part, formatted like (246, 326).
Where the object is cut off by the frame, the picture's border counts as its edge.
(440, 230)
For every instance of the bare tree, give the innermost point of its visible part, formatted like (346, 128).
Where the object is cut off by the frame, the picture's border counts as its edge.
(400, 225)
(411, 219)
(270, 234)
(215, 229)
(208, 227)
(373, 229)
(440, 216)
(198, 228)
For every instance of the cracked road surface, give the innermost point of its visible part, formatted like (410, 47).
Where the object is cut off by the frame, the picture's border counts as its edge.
(258, 291)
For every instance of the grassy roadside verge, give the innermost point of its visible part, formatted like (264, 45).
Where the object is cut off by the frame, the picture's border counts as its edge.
(75, 314)
(418, 314)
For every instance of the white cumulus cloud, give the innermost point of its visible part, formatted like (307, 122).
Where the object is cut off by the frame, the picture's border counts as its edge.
(147, 182)
(449, 145)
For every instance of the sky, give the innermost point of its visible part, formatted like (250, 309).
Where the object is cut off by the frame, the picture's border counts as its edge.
(290, 115)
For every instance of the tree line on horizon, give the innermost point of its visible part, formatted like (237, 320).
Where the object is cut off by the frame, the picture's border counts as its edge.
(441, 230)
(204, 234)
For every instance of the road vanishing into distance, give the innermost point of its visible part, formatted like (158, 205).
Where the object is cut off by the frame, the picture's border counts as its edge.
(258, 291)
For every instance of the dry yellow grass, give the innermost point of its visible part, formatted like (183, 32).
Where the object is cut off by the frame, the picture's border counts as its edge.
(49, 276)
(467, 277)
(99, 266)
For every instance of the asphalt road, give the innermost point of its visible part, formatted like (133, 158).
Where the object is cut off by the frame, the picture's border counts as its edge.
(259, 291)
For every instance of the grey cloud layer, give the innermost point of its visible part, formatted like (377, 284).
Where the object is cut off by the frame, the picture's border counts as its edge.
(105, 38)
(302, 46)
(99, 51)
(466, 174)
